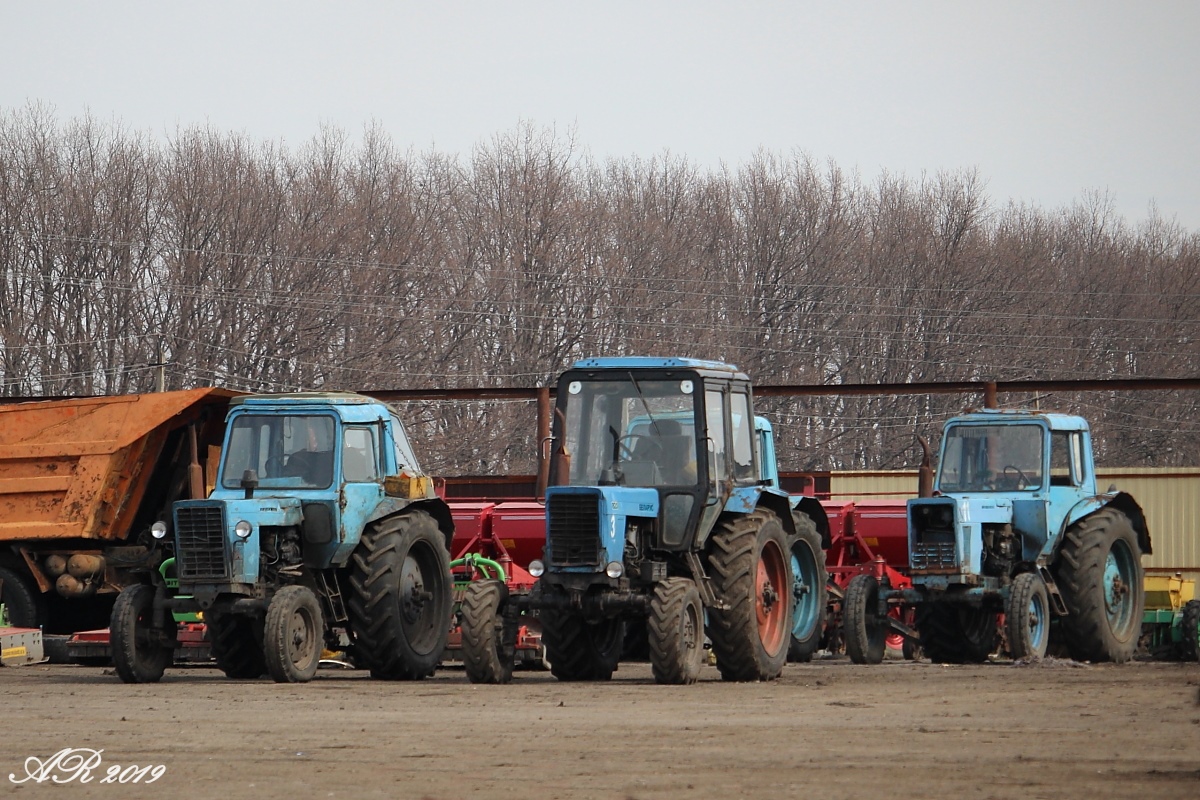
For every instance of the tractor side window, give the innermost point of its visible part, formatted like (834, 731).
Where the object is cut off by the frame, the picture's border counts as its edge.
(1066, 458)
(359, 460)
(404, 452)
(714, 408)
(743, 439)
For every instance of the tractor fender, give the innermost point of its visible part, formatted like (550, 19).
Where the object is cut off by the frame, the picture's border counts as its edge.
(747, 499)
(812, 508)
(1121, 501)
(435, 507)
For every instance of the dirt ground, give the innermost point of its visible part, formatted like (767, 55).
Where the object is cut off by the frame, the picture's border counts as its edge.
(827, 730)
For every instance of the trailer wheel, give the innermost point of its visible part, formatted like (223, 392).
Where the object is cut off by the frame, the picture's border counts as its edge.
(1100, 576)
(400, 606)
(579, 649)
(752, 571)
(809, 596)
(141, 650)
(1027, 617)
(955, 633)
(1190, 635)
(483, 633)
(866, 633)
(676, 632)
(23, 605)
(236, 641)
(293, 635)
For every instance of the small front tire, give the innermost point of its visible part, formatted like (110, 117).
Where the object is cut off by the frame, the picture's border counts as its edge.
(141, 649)
(293, 635)
(483, 646)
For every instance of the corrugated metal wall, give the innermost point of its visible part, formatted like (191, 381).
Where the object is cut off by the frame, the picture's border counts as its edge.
(1170, 497)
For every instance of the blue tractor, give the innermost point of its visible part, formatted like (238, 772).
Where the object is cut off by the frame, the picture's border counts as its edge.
(663, 511)
(321, 531)
(1015, 527)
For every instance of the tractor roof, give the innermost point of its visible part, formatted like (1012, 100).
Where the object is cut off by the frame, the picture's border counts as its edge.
(650, 362)
(992, 416)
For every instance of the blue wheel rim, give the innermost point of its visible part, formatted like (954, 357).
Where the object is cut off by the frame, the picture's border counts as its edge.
(1119, 589)
(1039, 622)
(805, 595)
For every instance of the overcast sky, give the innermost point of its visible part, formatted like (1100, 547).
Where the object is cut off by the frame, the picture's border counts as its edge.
(1048, 100)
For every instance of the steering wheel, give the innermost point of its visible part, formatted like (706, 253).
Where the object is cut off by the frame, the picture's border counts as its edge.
(629, 440)
(1021, 479)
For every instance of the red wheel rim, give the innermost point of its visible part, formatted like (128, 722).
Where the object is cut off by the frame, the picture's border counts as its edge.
(770, 597)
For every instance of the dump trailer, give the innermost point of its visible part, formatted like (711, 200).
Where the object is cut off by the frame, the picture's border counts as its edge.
(661, 510)
(322, 531)
(1015, 528)
(81, 482)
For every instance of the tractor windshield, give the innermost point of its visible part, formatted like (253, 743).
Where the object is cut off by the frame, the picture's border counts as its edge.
(631, 432)
(284, 451)
(991, 458)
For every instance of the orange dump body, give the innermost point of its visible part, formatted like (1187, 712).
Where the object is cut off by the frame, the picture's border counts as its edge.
(82, 468)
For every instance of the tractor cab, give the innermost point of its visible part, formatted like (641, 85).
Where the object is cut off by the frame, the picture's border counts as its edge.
(673, 436)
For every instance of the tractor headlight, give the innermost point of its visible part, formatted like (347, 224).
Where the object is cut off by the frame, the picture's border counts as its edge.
(158, 530)
(243, 529)
(537, 568)
(615, 569)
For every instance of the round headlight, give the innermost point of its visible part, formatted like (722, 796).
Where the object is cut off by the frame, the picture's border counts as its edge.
(537, 568)
(615, 569)
(158, 530)
(243, 529)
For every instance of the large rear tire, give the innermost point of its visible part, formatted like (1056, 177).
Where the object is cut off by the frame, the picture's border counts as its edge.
(1190, 634)
(293, 635)
(236, 642)
(866, 633)
(751, 566)
(1027, 617)
(955, 633)
(400, 605)
(809, 596)
(676, 632)
(581, 650)
(141, 650)
(23, 604)
(1100, 577)
(483, 633)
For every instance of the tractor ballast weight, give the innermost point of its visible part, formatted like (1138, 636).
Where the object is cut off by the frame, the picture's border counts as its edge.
(663, 508)
(322, 530)
(1016, 526)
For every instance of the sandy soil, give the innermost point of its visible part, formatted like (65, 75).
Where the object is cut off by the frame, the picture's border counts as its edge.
(827, 730)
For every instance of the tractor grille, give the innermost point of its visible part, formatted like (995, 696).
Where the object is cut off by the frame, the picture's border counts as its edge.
(930, 556)
(200, 538)
(574, 533)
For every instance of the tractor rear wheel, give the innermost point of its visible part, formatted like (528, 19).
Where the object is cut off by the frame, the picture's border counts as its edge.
(236, 641)
(1190, 635)
(1100, 577)
(400, 601)
(23, 604)
(954, 633)
(293, 635)
(751, 566)
(808, 590)
(676, 632)
(866, 632)
(1027, 617)
(141, 650)
(579, 649)
(483, 633)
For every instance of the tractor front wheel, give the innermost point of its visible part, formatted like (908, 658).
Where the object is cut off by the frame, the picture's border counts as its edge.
(141, 650)
(483, 649)
(751, 566)
(293, 635)
(866, 632)
(676, 632)
(401, 606)
(1027, 617)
